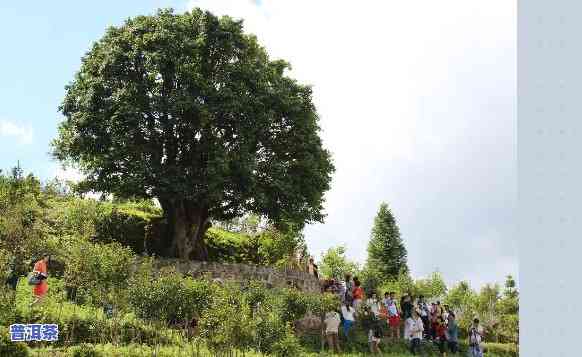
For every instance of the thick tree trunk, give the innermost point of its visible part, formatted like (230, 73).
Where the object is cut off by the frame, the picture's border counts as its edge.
(187, 225)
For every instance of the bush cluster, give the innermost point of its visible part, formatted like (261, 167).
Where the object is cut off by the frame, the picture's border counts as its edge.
(168, 296)
(98, 273)
(9, 348)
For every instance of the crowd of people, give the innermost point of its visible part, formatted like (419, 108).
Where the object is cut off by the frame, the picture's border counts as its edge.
(412, 319)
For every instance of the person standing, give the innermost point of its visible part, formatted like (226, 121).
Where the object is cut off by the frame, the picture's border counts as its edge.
(432, 315)
(313, 268)
(415, 329)
(475, 339)
(40, 269)
(439, 309)
(440, 334)
(349, 286)
(332, 322)
(406, 308)
(424, 312)
(374, 334)
(357, 295)
(446, 313)
(342, 291)
(393, 315)
(453, 334)
(348, 315)
(12, 279)
(374, 304)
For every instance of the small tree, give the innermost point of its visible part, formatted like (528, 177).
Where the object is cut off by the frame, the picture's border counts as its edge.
(386, 251)
(335, 265)
(510, 289)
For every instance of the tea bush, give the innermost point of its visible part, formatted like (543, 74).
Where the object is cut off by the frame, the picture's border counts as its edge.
(288, 345)
(228, 322)
(12, 349)
(85, 350)
(169, 297)
(270, 329)
(291, 304)
(98, 273)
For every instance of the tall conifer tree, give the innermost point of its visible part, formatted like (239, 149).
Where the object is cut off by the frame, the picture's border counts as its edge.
(386, 252)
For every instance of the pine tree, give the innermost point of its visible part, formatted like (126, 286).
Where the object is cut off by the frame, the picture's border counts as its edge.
(386, 251)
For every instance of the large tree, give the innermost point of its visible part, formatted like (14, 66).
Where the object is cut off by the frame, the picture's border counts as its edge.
(386, 251)
(190, 110)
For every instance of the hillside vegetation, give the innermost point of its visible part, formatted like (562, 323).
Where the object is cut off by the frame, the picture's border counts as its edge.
(107, 302)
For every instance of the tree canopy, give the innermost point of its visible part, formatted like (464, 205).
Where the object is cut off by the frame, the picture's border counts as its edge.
(335, 264)
(190, 110)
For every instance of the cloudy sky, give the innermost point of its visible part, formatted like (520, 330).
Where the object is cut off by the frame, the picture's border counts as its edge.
(417, 101)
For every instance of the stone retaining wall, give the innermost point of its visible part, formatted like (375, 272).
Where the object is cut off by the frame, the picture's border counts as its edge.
(241, 272)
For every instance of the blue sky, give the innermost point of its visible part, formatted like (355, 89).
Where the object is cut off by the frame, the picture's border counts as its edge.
(417, 101)
(42, 47)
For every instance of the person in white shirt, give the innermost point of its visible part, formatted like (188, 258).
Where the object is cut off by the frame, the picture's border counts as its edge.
(415, 329)
(332, 322)
(374, 304)
(424, 313)
(348, 314)
(476, 339)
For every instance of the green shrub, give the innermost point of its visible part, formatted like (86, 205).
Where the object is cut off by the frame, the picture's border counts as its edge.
(256, 293)
(98, 272)
(228, 322)
(5, 268)
(169, 297)
(9, 348)
(84, 350)
(127, 227)
(103, 222)
(76, 217)
(319, 304)
(224, 246)
(85, 323)
(288, 346)
(270, 329)
(8, 313)
(501, 349)
(291, 304)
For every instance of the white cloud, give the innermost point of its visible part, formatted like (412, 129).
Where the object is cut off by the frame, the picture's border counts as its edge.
(417, 105)
(68, 174)
(21, 132)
